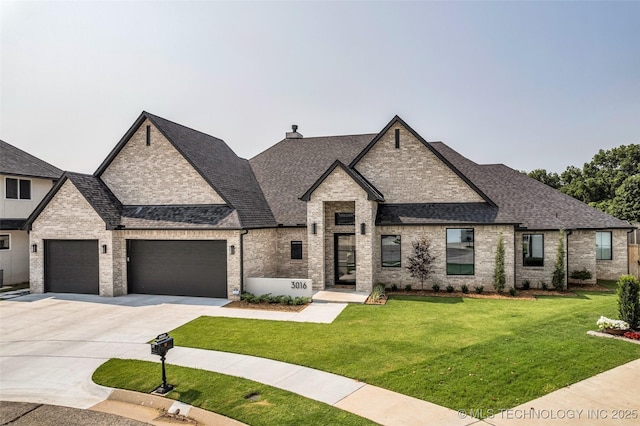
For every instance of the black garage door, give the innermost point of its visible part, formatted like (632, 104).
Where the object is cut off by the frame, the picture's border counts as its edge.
(71, 266)
(180, 268)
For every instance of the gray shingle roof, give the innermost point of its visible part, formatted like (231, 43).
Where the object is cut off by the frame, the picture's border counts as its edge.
(99, 196)
(436, 213)
(372, 191)
(179, 217)
(14, 161)
(524, 200)
(289, 168)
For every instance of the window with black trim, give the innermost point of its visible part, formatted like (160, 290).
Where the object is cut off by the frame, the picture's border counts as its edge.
(342, 218)
(533, 250)
(296, 249)
(460, 252)
(390, 246)
(5, 242)
(17, 189)
(603, 245)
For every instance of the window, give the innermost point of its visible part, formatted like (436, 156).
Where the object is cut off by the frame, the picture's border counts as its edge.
(17, 189)
(5, 242)
(460, 248)
(533, 250)
(345, 218)
(390, 251)
(296, 249)
(603, 246)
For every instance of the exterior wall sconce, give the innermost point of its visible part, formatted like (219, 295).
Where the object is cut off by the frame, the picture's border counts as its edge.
(314, 229)
(232, 249)
(363, 228)
(34, 248)
(104, 249)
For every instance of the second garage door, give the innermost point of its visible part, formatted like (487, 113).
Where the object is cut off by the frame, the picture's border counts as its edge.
(179, 268)
(71, 266)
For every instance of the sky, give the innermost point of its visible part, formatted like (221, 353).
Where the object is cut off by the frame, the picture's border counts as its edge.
(527, 84)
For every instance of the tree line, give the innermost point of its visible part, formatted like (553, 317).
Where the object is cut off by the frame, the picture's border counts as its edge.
(609, 182)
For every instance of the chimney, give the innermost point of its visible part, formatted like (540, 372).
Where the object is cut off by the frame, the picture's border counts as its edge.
(294, 133)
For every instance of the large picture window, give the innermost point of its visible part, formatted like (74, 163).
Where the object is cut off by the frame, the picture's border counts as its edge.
(391, 251)
(603, 246)
(17, 189)
(460, 252)
(533, 250)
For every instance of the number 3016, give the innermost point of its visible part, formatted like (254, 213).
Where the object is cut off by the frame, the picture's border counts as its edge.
(298, 285)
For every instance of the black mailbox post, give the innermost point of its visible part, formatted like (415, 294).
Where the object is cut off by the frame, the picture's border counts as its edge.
(160, 347)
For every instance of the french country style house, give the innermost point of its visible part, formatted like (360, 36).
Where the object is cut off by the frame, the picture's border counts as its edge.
(175, 211)
(25, 181)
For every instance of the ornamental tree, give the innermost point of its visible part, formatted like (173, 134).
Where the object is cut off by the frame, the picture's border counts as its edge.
(421, 262)
(629, 300)
(499, 276)
(559, 269)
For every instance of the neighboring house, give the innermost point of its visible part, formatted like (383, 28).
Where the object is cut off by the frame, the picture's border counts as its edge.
(25, 181)
(174, 211)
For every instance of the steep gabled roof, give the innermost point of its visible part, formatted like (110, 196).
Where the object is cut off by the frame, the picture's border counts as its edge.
(524, 200)
(14, 161)
(442, 158)
(93, 190)
(229, 175)
(289, 168)
(372, 192)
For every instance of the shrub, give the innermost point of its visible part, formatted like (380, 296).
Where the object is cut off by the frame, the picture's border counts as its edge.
(450, 289)
(512, 291)
(435, 287)
(301, 300)
(265, 297)
(629, 300)
(464, 288)
(526, 285)
(287, 300)
(249, 297)
(377, 293)
(499, 276)
(407, 287)
(543, 285)
(394, 287)
(479, 289)
(559, 269)
(581, 275)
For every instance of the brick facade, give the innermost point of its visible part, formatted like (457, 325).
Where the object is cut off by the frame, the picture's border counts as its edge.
(412, 173)
(156, 174)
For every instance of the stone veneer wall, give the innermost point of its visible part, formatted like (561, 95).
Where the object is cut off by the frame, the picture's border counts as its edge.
(232, 238)
(485, 245)
(618, 265)
(412, 173)
(69, 216)
(156, 174)
(537, 274)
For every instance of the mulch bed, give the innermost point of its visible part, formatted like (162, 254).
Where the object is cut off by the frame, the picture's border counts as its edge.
(264, 306)
(521, 295)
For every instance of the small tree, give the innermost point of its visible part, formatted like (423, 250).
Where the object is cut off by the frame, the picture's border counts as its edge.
(421, 262)
(629, 300)
(499, 277)
(559, 269)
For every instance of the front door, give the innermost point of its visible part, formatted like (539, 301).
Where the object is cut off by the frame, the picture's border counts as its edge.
(345, 259)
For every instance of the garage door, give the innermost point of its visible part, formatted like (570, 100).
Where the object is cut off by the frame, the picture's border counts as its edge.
(71, 266)
(180, 268)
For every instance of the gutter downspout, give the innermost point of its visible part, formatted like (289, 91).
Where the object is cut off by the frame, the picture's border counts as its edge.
(242, 234)
(566, 244)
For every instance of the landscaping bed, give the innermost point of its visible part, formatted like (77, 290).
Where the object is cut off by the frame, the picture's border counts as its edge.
(265, 306)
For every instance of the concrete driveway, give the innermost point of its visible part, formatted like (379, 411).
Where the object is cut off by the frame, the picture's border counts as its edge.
(51, 344)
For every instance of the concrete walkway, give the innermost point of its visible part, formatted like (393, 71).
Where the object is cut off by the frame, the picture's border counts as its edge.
(50, 345)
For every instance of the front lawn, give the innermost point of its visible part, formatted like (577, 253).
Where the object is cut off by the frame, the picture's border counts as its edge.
(460, 353)
(225, 394)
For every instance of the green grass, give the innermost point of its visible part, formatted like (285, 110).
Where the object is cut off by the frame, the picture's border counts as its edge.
(460, 353)
(224, 394)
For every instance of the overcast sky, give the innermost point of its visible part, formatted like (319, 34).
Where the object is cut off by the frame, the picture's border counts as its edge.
(530, 85)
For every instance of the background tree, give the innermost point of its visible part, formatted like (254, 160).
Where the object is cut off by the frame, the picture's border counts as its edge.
(629, 300)
(499, 276)
(421, 262)
(598, 182)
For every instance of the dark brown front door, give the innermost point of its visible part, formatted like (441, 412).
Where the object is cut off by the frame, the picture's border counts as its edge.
(345, 259)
